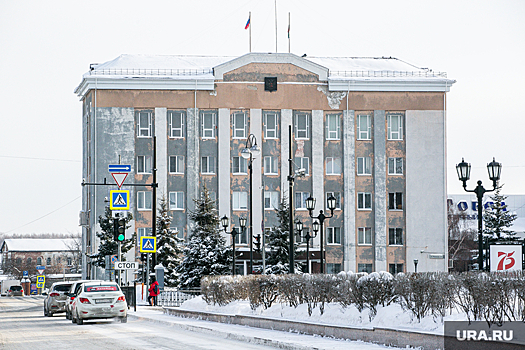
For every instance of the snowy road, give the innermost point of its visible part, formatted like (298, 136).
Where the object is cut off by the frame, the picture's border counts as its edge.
(23, 326)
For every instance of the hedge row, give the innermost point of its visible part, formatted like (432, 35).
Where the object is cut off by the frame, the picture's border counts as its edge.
(493, 297)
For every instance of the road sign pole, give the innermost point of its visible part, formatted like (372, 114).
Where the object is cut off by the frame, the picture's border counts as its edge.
(119, 259)
(147, 271)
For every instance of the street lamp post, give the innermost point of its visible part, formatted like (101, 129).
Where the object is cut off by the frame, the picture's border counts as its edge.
(308, 237)
(310, 205)
(415, 265)
(233, 233)
(494, 169)
(250, 152)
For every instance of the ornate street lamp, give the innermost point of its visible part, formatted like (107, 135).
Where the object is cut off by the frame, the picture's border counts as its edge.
(233, 233)
(494, 169)
(250, 152)
(308, 237)
(310, 205)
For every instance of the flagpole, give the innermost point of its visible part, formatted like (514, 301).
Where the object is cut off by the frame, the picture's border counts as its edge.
(275, 26)
(250, 29)
(288, 32)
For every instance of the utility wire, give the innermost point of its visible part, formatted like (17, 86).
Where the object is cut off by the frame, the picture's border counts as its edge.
(43, 216)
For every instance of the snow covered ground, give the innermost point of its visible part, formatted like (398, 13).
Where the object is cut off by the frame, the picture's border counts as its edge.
(392, 316)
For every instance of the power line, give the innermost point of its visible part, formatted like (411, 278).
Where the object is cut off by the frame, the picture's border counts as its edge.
(43, 216)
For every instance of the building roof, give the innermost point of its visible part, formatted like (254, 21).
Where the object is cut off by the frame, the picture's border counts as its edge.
(172, 72)
(38, 245)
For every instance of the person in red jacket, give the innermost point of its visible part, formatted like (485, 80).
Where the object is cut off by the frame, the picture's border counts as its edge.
(153, 292)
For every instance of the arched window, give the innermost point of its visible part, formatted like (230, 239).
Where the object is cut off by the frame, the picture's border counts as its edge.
(48, 261)
(39, 261)
(18, 261)
(29, 260)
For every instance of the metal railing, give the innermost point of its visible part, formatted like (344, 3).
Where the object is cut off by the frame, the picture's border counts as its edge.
(175, 298)
(388, 74)
(149, 72)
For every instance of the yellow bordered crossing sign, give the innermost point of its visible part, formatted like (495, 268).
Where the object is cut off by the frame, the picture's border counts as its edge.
(119, 200)
(148, 244)
(40, 281)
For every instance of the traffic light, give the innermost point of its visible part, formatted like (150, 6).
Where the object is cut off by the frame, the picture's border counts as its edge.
(119, 229)
(143, 256)
(257, 242)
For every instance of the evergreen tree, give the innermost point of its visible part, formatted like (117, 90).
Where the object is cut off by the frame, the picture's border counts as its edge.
(108, 245)
(278, 259)
(169, 246)
(206, 252)
(498, 220)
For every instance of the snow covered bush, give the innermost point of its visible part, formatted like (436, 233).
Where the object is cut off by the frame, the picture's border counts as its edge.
(376, 289)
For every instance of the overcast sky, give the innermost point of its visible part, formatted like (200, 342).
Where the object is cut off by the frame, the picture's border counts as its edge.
(46, 46)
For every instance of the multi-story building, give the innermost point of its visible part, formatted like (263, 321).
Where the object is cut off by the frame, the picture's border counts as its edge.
(370, 131)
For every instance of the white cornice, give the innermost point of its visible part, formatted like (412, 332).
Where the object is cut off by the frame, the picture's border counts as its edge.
(423, 85)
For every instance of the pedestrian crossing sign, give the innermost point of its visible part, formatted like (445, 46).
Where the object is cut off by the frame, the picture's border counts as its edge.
(40, 281)
(119, 200)
(148, 244)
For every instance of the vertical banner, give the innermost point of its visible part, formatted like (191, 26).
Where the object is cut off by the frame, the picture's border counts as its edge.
(506, 257)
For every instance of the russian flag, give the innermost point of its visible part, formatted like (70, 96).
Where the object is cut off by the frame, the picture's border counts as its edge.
(247, 24)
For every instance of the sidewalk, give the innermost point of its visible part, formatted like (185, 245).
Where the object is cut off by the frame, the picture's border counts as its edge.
(277, 339)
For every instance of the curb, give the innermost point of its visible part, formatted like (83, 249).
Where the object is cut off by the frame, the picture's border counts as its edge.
(227, 335)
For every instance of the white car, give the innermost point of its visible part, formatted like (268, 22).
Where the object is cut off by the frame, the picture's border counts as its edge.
(97, 300)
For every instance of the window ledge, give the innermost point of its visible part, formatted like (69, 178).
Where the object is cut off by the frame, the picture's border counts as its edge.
(364, 174)
(176, 173)
(365, 244)
(364, 209)
(241, 174)
(396, 245)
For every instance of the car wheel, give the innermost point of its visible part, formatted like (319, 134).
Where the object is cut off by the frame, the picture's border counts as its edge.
(80, 321)
(73, 319)
(124, 319)
(50, 314)
(67, 316)
(45, 312)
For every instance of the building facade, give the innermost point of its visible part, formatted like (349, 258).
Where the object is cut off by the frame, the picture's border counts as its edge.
(369, 131)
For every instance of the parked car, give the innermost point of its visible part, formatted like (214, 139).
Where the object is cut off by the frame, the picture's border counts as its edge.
(73, 292)
(55, 300)
(15, 291)
(97, 300)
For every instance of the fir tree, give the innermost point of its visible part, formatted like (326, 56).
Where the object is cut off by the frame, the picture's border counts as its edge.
(206, 252)
(498, 220)
(108, 245)
(169, 246)
(278, 259)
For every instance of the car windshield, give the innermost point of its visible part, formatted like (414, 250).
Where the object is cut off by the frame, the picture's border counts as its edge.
(62, 287)
(101, 288)
(16, 288)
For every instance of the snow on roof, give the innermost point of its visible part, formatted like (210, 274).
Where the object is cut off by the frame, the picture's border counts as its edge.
(39, 245)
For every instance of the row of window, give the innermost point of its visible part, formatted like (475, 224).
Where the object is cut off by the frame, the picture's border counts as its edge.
(272, 200)
(364, 236)
(208, 125)
(48, 261)
(270, 165)
(392, 268)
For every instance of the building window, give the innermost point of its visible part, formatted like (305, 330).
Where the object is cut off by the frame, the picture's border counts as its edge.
(208, 165)
(395, 166)
(176, 200)
(395, 201)
(39, 261)
(301, 126)
(239, 166)
(270, 125)
(364, 235)
(19, 261)
(239, 125)
(395, 268)
(177, 164)
(143, 232)
(333, 127)
(395, 127)
(337, 196)
(29, 260)
(333, 235)
(300, 200)
(303, 163)
(270, 166)
(144, 124)
(208, 125)
(240, 200)
(333, 166)
(364, 201)
(364, 166)
(333, 269)
(144, 165)
(69, 261)
(271, 200)
(180, 233)
(242, 236)
(48, 261)
(58, 260)
(364, 127)
(176, 123)
(144, 200)
(364, 268)
(395, 236)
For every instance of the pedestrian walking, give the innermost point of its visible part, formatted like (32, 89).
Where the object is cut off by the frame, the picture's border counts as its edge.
(153, 292)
